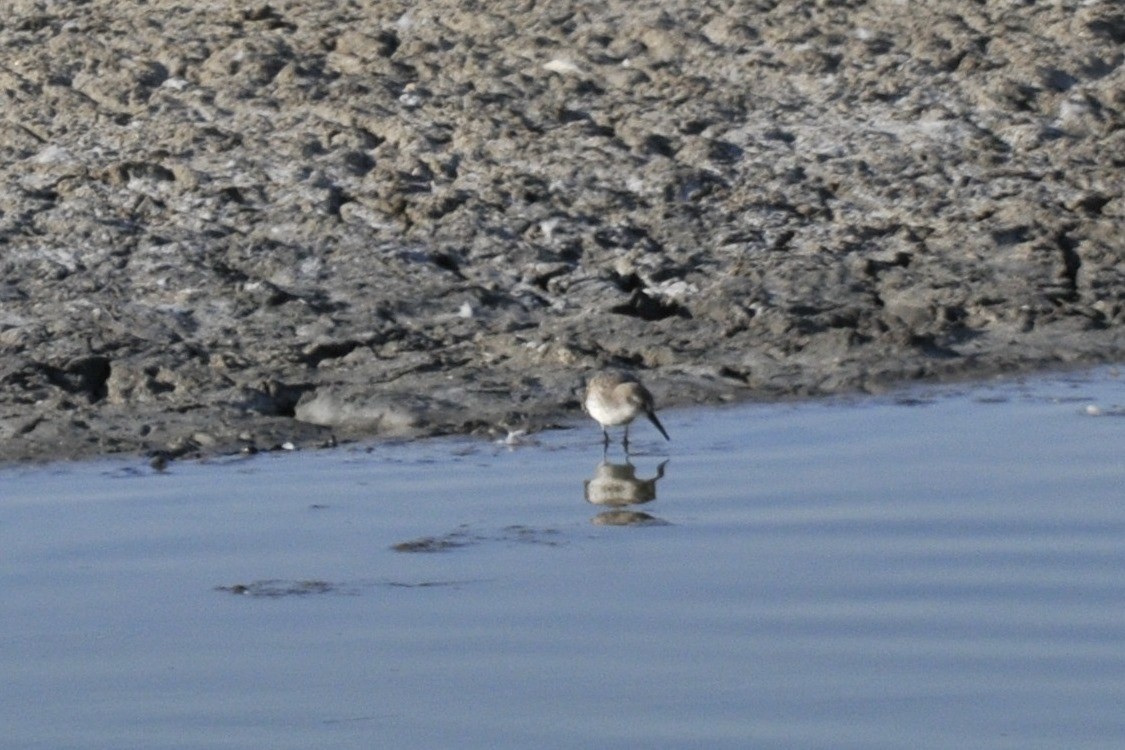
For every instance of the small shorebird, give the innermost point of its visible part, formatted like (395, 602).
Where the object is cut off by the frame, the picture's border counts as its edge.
(615, 398)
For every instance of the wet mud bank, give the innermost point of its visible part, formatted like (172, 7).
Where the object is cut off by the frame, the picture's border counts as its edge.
(228, 226)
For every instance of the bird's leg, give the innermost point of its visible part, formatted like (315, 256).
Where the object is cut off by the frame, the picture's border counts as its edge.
(626, 440)
(605, 441)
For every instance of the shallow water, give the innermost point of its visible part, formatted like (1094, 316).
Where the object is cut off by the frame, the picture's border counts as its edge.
(944, 568)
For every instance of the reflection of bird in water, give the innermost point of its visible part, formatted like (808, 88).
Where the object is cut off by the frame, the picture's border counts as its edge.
(617, 398)
(617, 485)
(626, 518)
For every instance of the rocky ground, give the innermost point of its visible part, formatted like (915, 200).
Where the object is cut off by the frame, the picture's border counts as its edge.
(229, 225)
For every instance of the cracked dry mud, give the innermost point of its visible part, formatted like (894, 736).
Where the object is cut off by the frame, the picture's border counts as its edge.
(229, 225)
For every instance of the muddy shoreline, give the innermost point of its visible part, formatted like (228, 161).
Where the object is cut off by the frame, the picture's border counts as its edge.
(228, 227)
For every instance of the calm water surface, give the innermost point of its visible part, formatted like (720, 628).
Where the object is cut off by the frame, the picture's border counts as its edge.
(939, 569)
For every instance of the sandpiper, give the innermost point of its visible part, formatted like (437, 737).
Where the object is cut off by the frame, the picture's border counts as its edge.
(615, 398)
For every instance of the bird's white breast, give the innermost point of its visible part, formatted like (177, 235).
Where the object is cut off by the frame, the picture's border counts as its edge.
(614, 411)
